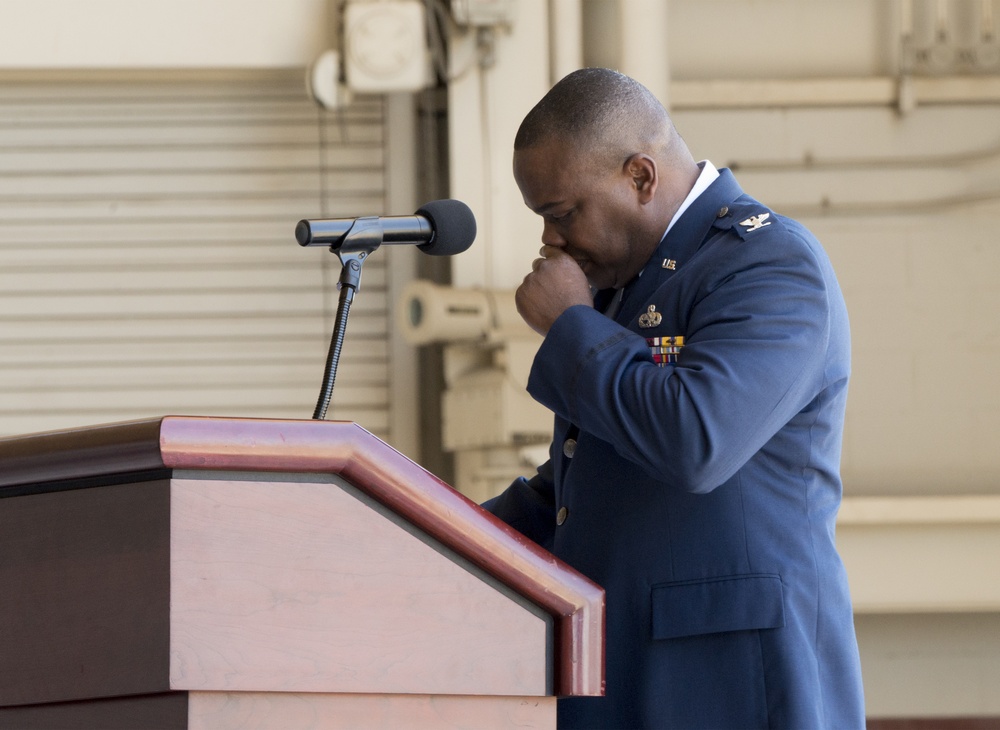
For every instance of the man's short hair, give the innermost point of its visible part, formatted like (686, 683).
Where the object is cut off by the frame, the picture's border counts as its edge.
(597, 109)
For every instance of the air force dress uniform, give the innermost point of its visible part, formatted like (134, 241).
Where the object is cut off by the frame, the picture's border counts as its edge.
(694, 474)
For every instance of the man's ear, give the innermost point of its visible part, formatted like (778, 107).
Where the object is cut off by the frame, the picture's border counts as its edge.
(641, 168)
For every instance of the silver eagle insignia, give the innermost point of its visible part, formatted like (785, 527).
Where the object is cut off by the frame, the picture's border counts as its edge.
(756, 222)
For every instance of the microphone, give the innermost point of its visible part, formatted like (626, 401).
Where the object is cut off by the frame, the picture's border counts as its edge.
(439, 228)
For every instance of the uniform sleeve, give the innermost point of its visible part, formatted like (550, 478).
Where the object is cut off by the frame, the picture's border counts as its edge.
(757, 326)
(528, 505)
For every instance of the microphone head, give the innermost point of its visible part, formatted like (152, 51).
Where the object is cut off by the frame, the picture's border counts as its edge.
(454, 227)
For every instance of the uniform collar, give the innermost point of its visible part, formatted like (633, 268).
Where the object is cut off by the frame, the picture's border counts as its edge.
(688, 231)
(684, 235)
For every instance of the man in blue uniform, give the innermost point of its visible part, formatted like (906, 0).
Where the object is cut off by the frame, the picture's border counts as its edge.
(699, 406)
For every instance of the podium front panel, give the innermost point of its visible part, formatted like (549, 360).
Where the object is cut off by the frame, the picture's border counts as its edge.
(297, 585)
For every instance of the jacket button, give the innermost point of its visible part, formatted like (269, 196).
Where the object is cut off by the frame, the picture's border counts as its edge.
(569, 448)
(561, 515)
(723, 212)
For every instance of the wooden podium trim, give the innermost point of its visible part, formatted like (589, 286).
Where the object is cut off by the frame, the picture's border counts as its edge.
(371, 465)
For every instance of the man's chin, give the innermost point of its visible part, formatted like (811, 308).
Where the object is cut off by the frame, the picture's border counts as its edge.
(600, 282)
(594, 278)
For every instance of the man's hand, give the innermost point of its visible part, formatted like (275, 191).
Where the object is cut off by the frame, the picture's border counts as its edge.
(555, 284)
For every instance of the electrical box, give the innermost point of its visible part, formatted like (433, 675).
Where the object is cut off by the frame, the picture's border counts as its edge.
(385, 46)
(483, 12)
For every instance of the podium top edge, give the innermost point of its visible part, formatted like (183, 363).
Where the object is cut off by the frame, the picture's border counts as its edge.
(166, 442)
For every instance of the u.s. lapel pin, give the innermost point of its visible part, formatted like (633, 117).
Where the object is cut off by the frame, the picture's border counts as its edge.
(669, 264)
(650, 318)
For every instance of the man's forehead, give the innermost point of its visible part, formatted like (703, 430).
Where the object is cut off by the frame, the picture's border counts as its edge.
(538, 154)
(550, 162)
(545, 182)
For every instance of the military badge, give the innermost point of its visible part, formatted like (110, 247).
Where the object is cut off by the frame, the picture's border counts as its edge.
(756, 222)
(650, 318)
(665, 349)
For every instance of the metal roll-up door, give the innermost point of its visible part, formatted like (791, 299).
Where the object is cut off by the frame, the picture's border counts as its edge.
(148, 264)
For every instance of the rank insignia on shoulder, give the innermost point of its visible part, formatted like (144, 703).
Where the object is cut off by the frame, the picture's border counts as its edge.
(665, 349)
(756, 222)
(650, 318)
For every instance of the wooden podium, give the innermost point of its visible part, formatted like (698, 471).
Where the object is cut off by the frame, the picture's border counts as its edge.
(215, 573)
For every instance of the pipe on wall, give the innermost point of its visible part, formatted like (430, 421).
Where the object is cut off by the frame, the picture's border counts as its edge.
(565, 37)
(643, 45)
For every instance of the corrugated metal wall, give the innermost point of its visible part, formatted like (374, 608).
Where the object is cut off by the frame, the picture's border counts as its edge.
(148, 264)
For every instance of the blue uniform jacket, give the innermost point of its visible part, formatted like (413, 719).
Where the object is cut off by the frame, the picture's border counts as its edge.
(694, 474)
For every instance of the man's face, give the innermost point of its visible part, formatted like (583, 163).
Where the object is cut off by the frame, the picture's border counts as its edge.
(590, 214)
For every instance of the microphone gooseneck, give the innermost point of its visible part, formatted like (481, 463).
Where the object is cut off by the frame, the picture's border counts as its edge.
(439, 228)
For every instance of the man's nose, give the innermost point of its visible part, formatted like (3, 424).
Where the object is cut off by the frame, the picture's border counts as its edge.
(550, 236)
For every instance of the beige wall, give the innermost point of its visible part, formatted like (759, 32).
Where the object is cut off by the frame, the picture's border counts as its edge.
(162, 34)
(905, 210)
